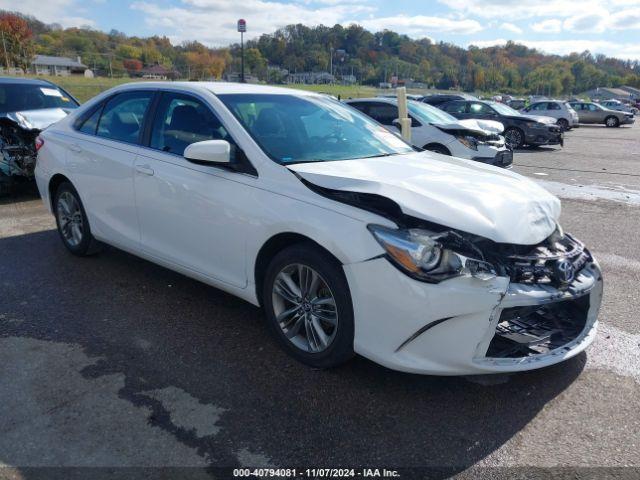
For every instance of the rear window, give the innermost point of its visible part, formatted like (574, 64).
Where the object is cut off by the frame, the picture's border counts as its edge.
(16, 97)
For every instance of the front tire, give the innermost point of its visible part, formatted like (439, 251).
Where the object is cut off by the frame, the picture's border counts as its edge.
(612, 122)
(514, 138)
(72, 222)
(308, 306)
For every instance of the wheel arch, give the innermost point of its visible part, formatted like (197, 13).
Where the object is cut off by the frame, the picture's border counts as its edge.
(272, 247)
(54, 182)
(439, 145)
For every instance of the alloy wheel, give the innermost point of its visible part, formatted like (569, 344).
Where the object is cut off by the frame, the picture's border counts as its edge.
(611, 122)
(70, 219)
(305, 308)
(513, 138)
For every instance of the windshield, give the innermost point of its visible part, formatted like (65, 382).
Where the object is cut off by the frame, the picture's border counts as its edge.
(293, 129)
(503, 109)
(429, 114)
(16, 97)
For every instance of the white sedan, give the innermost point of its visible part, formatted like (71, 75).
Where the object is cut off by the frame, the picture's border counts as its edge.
(350, 240)
(435, 130)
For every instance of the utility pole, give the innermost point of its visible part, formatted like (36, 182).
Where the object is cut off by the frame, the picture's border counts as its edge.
(242, 27)
(331, 60)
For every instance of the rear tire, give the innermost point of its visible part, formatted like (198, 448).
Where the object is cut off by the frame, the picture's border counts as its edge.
(72, 222)
(563, 124)
(308, 306)
(612, 122)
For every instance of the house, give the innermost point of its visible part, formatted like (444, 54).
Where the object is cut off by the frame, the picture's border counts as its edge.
(158, 72)
(311, 78)
(57, 66)
(235, 77)
(634, 92)
(607, 93)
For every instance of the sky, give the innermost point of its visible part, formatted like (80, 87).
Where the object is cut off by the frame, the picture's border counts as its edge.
(611, 27)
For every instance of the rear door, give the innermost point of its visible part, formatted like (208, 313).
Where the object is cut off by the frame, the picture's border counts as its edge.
(100, 161)
(188, 216)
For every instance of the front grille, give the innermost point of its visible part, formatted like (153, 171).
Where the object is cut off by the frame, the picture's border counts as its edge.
(556, 261)
(527, 331)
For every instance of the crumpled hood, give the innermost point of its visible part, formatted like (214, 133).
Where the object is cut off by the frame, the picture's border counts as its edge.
(36, 119)
(479, 199)
(487, 126)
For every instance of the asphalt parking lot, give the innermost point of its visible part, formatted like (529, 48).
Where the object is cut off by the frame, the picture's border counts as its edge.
(111, 361)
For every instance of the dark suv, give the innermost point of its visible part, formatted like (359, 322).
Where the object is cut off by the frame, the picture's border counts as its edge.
(519, 129)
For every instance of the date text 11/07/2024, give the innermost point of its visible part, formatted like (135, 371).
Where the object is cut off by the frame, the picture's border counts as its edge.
(315, 473)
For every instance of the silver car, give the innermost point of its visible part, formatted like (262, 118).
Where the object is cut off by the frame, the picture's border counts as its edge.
(566, 117)
(619, 106)
(590, 112)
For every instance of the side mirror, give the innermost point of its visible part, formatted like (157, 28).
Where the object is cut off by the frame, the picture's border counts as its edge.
(396, 122)
(209, 152)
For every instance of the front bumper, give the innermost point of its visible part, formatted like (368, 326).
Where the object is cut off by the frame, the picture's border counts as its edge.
(628, 121)
(503, 158)
(448, 328)
(552, 135)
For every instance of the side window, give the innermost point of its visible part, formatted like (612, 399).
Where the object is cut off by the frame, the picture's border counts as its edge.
(554, 106)
(363, 107)
(539, 106)
(384, 113)
(481, 109)
(592, 107)
(89, 122)
(455, 107)
(182, 120)
(123, 116)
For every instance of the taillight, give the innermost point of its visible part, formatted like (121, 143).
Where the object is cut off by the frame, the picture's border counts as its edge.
(39, 142)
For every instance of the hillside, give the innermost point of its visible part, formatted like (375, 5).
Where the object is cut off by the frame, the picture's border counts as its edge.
(370, 57)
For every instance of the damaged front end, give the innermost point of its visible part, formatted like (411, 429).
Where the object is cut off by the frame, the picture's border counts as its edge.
(17, 154)
(547, 309)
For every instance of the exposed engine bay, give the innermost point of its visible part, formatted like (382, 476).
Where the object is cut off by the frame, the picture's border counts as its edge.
(18, 133)
(18, 153)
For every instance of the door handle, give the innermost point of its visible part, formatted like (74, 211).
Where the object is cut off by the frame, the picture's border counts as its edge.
(144, 169)
(75, 148)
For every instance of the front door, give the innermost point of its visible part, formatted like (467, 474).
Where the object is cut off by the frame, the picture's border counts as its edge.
(187, 212)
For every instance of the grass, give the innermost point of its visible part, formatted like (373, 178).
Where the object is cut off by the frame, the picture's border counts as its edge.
(85, 88)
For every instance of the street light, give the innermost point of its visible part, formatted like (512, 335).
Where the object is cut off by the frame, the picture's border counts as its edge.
(242, 27)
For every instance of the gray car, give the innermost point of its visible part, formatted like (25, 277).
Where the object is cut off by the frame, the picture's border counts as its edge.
(589, 112)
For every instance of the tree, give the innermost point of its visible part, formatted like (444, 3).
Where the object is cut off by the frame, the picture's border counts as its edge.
(17, 41)
(132, 65)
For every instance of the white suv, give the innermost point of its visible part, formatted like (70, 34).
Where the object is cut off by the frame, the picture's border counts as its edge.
(351, 241)
(565, 115)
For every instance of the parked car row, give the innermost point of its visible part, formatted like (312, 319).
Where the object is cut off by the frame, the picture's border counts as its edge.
(350, 239)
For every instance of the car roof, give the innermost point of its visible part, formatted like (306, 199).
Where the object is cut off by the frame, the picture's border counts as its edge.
(25, 81)
(374, 99)
(219, 88)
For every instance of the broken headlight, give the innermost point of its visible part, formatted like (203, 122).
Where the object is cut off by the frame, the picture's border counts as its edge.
(421, 255)
(468, 141)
